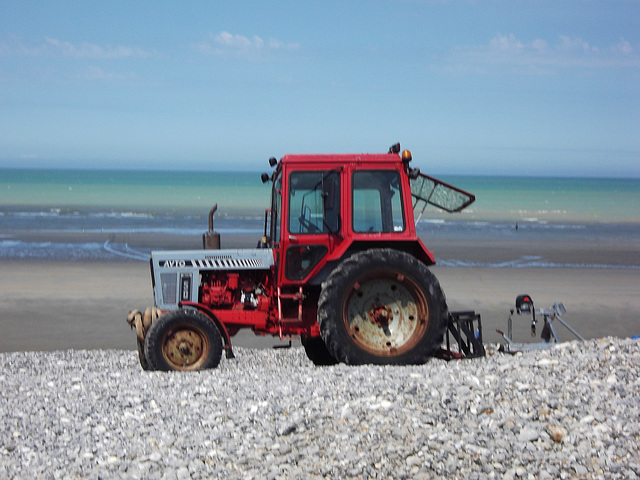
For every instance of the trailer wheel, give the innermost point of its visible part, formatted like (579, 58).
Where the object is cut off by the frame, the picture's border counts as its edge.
(382, 306)
(183, 339)
(317, 351)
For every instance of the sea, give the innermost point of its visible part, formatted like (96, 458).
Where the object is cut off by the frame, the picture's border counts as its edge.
(34, 201)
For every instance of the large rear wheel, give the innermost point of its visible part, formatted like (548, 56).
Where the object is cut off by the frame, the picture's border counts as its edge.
(382, 306)
(183, 339)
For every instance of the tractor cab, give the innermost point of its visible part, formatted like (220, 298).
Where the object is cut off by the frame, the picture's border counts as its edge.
(326, 207)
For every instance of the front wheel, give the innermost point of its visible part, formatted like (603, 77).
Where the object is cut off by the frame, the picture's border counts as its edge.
(382, 306)
(184, 340)
(141, 356)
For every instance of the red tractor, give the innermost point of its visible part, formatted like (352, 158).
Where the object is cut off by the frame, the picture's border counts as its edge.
(340, 266)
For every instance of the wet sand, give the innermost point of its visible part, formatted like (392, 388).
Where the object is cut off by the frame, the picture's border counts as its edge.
(49, 305)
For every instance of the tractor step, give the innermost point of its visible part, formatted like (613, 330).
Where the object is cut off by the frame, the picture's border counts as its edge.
(466, 329)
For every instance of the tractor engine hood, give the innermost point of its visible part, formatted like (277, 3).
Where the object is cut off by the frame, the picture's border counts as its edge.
(175, 274)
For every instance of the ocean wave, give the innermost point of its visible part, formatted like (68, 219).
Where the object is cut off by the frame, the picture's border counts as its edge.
(531, 262)
(124, 251)
(235, 216)
(19, 250)
(121, 215)
(58, 212)
(66, 251)
(41, 213)
(433, 221)
(160, 231)
(543, 225)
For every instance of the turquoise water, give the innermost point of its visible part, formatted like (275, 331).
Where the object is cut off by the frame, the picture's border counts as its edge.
(497, 198)
(554, 199)
(179, 202)
(235, 193)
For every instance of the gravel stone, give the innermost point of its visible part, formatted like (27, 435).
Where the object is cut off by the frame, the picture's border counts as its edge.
(569, 412)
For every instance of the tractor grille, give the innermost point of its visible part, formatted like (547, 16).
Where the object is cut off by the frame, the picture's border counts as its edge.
(228, 263)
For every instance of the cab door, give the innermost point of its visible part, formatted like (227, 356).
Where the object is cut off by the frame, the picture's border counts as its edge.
(312, 222)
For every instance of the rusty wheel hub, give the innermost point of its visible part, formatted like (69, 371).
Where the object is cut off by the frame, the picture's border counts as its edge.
(386, 315)
(381, 315)
(185, 349)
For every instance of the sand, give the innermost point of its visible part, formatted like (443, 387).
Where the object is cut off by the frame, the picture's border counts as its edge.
(49, 305)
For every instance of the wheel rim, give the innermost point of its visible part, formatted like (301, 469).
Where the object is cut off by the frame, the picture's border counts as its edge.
(386, 314)
(185, 347)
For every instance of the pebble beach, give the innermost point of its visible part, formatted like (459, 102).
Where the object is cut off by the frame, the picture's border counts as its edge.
(569, 412)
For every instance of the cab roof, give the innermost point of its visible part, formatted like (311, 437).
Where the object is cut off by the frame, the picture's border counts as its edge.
(341, 158)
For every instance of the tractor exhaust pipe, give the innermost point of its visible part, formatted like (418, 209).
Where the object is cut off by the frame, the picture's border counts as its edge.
(211, 239)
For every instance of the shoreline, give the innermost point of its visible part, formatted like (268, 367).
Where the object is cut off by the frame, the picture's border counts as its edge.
(82, 305)
(450, 250)
(49, 304)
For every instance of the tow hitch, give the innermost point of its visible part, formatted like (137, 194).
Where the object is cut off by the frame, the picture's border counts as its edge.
(465, 328)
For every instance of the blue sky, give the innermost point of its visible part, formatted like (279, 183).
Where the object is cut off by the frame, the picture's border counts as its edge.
(477, 87)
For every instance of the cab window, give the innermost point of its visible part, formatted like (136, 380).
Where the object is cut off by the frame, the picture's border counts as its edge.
(377, 202)
(314, 202)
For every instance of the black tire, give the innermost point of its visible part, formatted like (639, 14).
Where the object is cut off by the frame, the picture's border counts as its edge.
(143, 360)
(184, 340)
(382, 306)
(317, 351)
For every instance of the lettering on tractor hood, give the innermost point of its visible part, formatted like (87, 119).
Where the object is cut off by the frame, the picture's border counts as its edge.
(221, 260)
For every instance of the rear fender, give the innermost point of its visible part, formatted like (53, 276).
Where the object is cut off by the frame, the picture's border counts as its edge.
(414, 248)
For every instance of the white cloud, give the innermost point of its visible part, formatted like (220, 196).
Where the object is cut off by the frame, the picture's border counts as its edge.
(13, 46)
(575, 45)
(539, 56)
(227, 44)
(539, 45)
(509, 44)
(54, 47)
(236, 42)
(93, 51)
(623, 47)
